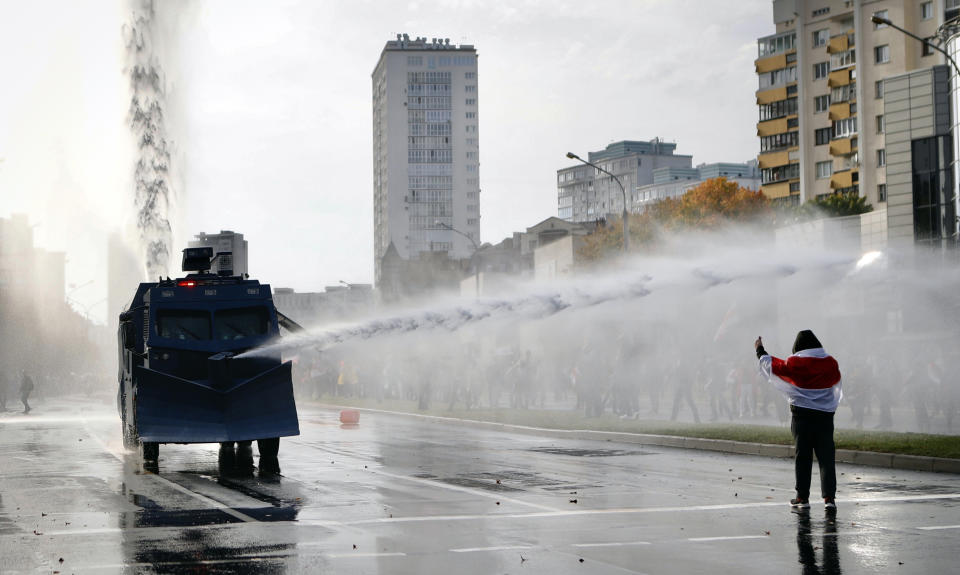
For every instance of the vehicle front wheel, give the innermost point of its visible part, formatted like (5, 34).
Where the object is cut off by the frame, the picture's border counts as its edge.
(151, 451)
(269, 447)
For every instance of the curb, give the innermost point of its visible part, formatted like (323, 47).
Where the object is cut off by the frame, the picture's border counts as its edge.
(866, 458)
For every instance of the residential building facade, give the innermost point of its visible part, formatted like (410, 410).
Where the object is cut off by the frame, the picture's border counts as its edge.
(822, 117)
(585, 194)
(426, 167)
(675, 182)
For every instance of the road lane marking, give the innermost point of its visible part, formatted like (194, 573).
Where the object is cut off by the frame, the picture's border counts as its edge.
(635, 510)
(361, 555)
(477, 492)
(938, 527)
(175, 486)
(612, 544)
(498, 548)
(727, 538)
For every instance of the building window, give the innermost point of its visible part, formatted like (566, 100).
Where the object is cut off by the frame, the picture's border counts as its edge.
(881, 54)
(821, 103)
(821, 11)
(881, 125)
(822, 136)
(470, 88)
(820, 37)
(926, 10)
(775, 44)
(927, 49)
(844, 93)
(882, 14)
(778, 77)
(878, 89)
(779, 173)
(843, 59)
(471, 101)
(470, 75)
(471, 221)
(881, 192)
(933, 216)
(824, 169)
(881, 158)
(845, 128)
(414, 60)
(821, 70)
(471, 115)
(778, 109)
(778, 142)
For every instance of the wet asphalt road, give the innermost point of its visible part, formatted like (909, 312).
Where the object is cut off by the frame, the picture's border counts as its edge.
(402, 495)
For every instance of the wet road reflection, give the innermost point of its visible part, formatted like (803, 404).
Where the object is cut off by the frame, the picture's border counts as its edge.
(405, 495)
(829, 561)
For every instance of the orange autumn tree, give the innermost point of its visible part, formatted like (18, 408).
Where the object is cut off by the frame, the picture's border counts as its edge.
(715, 203)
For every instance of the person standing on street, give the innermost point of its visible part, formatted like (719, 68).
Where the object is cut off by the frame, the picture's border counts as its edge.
(810, 378)
(26, 386)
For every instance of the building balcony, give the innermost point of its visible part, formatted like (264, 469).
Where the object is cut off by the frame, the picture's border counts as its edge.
(847, 179)
(771, 127)
(841, 42)
(773, 159)
(839, 111)
(842, 147)
(843, 77)
(771, 63)
(771, 95)
(774, 191)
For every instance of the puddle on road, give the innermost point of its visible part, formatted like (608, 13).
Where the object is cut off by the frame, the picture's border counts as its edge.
(506, 481)
(893, 487)
(588, 452)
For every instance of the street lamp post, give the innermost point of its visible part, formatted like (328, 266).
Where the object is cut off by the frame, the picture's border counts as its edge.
(956, 78)
(626, 222)
(476, 251)
(886, 22)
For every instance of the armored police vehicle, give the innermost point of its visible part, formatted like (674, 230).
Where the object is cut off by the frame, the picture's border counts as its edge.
(180, 378)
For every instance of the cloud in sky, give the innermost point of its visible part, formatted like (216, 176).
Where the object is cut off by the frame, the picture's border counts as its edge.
(271, 112)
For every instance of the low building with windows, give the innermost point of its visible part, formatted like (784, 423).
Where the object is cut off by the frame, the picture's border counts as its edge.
(675, 182)
(585, 194)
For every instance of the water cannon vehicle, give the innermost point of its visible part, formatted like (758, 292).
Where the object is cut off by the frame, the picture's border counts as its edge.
(180, 377)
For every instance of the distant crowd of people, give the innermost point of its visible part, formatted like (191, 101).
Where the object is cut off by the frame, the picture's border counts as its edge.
(622, 380)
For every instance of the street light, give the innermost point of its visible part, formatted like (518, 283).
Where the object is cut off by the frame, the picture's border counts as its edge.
(626, 222)
(885, 21)
(476, 250)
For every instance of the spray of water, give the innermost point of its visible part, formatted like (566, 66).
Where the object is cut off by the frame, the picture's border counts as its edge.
(662, 334)
(153, 193)
(539, 302)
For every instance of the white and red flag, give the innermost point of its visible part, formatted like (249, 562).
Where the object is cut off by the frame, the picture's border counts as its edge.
(809, 378)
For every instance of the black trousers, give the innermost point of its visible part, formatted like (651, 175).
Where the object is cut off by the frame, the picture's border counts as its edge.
(813, 433)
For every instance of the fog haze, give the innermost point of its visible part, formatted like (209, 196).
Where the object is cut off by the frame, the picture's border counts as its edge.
(269, 109)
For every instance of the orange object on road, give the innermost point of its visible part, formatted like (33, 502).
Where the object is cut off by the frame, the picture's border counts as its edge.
(349, 416)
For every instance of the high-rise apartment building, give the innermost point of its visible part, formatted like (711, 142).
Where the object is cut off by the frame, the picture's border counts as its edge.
(822, 110)
(426, 168)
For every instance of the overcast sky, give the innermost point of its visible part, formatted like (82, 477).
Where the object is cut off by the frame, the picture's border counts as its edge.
(270, 110)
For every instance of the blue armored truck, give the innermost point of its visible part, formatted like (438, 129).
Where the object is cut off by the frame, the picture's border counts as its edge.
(180, 378)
